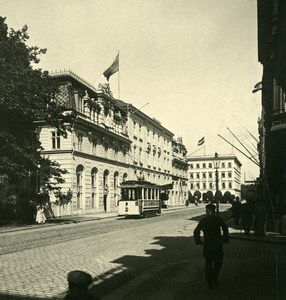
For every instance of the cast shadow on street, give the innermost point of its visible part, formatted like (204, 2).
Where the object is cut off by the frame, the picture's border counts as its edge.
(166, 250)
(166, 254)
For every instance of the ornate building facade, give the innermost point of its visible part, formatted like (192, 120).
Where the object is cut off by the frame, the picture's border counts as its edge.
(272, 127)
(110, 141)
(179, 193)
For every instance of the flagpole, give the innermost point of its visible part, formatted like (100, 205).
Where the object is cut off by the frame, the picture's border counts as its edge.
(118, 77)
(204, 148)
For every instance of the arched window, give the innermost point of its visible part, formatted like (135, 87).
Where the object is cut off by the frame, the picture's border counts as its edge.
(105, 178)
(94, 184)
(79, 185)
(115, 186)
(125, 177)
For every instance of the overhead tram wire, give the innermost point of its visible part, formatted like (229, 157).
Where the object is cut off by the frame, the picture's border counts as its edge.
(250, 158)
(242, 144)
(247, 131)
(249, 143)
(194, 152)
(133, 111)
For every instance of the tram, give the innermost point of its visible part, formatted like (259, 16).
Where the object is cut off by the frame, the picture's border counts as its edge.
(140, 198)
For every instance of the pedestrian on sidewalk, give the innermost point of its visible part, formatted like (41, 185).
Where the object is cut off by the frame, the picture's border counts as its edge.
(236, 211)
(215, 234)
(246, 216)
(40, 217)
(196, 201)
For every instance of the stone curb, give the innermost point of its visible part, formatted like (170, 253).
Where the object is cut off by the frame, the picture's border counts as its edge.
(70, 220)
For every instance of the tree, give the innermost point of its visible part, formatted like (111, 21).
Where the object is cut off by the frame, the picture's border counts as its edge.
(227, 197)
(198, 195)
(218, 196)
(210, 196)
(27, 95)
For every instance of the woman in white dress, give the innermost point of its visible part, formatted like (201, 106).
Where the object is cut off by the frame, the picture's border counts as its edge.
(40, 217)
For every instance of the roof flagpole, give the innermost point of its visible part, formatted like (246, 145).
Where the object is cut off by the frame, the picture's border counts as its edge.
(118, 78)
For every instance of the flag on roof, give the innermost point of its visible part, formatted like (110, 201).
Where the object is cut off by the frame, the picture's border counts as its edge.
(113, 68)
(201, 141)
(257, 87)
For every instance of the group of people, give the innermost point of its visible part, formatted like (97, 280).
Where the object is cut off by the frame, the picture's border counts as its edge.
(242, 214)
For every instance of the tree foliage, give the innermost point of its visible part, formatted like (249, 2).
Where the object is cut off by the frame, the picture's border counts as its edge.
(27, 94)
(198, 194)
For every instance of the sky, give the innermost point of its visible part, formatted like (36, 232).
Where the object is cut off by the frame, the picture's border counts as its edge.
(193, 61)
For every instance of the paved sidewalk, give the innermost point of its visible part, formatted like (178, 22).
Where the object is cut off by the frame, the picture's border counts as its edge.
(254, 268)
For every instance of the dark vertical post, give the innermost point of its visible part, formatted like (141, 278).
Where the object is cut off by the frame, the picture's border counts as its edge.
(216, 166)
(216, 187)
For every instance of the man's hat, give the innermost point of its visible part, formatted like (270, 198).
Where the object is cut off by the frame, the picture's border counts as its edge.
(210, 206)
(79, 278)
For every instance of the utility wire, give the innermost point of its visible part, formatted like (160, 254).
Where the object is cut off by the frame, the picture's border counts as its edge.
(247, 130)
(241, 144)
(250, 158)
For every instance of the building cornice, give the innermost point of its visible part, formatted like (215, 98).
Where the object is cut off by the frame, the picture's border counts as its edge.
(211, 158)
(89, 125)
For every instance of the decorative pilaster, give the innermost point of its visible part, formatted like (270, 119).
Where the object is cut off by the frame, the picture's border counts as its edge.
(86, 105)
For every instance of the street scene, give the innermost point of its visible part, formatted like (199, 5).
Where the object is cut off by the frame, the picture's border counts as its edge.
(161, 260)
(142, 149)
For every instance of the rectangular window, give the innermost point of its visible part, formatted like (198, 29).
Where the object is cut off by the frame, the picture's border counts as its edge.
(105, 152)
(204, 165)
(223, 165)
(56, 140)
(229, 164)
(94, 148)
(229, 174)
(198, 166)
(210, 165)
(116, 155)
(79, 141)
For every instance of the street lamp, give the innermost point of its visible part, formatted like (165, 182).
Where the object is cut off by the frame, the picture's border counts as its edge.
(216, 167)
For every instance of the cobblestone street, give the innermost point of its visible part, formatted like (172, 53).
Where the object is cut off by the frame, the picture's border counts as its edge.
(128, 251)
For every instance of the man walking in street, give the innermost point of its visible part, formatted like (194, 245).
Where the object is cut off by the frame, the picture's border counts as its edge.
(236, 211)
(212, 226)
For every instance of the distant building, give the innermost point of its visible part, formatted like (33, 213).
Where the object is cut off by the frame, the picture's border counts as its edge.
(202, 175)
(179, 194)
(111, 141)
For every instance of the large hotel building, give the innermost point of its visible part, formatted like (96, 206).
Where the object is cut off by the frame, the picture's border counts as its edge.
(202, 174)
(111, 141)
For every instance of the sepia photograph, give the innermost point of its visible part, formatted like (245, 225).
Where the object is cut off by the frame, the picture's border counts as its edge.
(142, 149)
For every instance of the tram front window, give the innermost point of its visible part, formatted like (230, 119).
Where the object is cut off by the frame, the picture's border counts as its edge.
(132, 194)
(124, 194)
